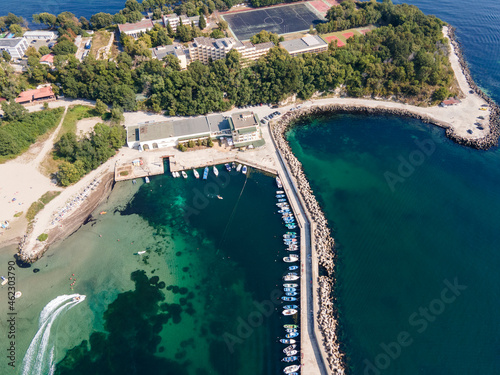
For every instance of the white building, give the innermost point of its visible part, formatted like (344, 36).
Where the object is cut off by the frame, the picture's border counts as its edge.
(169, 133)
(176, 50)
(16, 47)
(174, 20)
(245, 129)
(40, 34)
(307, 44)
(135, 29)
(205, 49)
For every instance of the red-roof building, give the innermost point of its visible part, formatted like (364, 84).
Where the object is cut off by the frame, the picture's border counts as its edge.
(449, 101)
(47, 59)
(136, 29)
(42, 94)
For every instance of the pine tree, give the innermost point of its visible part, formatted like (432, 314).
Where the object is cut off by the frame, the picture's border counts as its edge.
(202, 22)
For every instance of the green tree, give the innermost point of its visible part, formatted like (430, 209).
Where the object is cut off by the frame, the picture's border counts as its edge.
(202, 23)
(70, 173)
(100, 107)
(16, 30)
(13, 111)
(45, 18)
(440, 94)
(101, 20)
(6, 56)
(44, 50)
(64, 47)
(223, 25)
(217, 34)
(117, 114)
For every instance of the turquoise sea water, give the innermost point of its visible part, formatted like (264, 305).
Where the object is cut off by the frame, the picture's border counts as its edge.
(412, 214)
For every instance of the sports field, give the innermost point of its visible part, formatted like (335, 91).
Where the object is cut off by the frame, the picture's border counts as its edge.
(342, 36)
(281, 20)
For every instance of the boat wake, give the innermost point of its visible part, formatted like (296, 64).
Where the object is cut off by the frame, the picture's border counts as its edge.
(39, 357)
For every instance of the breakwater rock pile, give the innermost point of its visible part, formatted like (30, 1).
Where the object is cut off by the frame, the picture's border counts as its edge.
(491, 139)
(322, 241)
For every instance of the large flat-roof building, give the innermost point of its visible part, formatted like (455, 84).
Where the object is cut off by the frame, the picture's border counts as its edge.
(136, 29)
(174, 20)
(169, 133)
(40, 34)
(245, 129)
(16, 47)
(205, 49)
(176, 50)
(307, 44)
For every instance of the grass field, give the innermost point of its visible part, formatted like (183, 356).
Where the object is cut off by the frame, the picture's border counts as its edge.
(342, 36)
(99, 39)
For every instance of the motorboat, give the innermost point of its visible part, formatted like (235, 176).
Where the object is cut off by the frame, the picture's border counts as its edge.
(146, 179)
(292, 236)
(290, 307)
(288, 299)
(291, 326)
(291, 226)
(290, 359)
(291, 330)
(293, 268)
(280, 192)
(289, 348)
(291, 353)
(233, 165)
(290, 259)
(278, 182)
(291, 233)
(291, 294)
(291, 285)
(289, 312)
(184, 174)
(141, 252)
(291, 369)
(196, 174)
(244, 169)
(238, 168)
(205, 173)
(287, 341)
(290, 289)
(228, 167)
(291, 335)
(280, 195)
(291, 277)
(216, 171)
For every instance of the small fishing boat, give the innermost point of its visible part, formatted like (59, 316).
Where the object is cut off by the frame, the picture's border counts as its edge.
(289, 348)
(290, 369)
(290, 289)
(290, 259)
(290, 236)
(291, 285)
(291, 353)
(280, 195)
(244, 169)
(141, 252)
(287, 341)
(291, 335)
(219, 197)
(293, 268)
(280, 192)
(291, 326)
(174, 175)
(290, 307)
(233, 165)
(290, 359)
(238, 168)
(184, 174)
(284, 211)
(291, 248)
(216, 171)
(290, 277)
(291, 233)
(291, 330)
(228, 167)
(291, 226)
(289, 299)
(205, 173)
(291, 294)
(278, 182)
(196, 174)
(289, 312)
(146, 179)
(282, 202)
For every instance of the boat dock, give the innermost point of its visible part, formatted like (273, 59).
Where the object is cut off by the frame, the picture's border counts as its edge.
(144, 166)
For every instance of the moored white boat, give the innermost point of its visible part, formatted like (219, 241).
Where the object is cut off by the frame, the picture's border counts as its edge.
(244, 169)
(196, 174)
(184, 174)
(289, 312)
(290, 285)
(290, 369)
(238, 168)
(216, 171)
(146, 179)
(278, 182)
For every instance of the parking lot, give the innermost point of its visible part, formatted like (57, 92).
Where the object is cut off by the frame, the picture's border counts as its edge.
(37, 43)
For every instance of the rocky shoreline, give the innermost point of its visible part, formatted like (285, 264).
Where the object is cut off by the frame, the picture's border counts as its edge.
(70, 224)
(322, 241)
(491, 139)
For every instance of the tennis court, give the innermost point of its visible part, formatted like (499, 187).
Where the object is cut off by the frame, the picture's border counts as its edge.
(280, 20)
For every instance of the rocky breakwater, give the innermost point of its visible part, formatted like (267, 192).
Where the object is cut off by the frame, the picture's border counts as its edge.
(491, 139)
(323, 246)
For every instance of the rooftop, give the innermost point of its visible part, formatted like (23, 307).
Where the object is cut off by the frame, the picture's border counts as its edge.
(161, 52)
(47, 58)
(242, 120)
(127, 27)
(308, 42)
(35, 94)
(12, 42)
